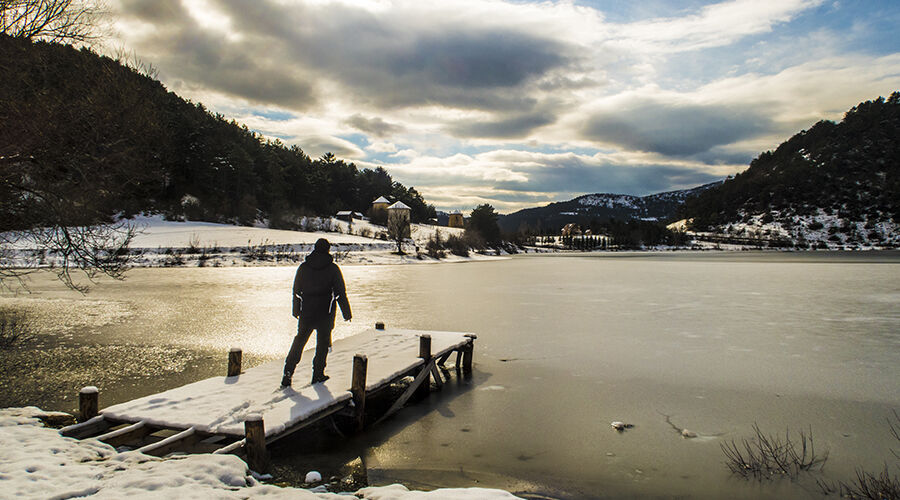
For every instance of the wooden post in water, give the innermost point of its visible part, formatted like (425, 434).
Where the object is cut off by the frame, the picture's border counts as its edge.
(379, 326)
(468, 354)
(88, 403)
(255, 443)
(234, 362)
(358, 388)
(425, 354)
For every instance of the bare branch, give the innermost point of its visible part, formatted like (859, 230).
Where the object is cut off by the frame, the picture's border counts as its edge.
(51, 20)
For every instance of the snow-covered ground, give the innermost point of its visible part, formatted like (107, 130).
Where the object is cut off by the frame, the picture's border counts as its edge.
(37, 462)
(162, 243)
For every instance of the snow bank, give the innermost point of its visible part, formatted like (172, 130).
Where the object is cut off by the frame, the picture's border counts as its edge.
(38, 462)
(162, 243)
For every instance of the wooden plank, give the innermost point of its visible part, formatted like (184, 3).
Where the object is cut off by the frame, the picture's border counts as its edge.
(121, 436)
(436, 375)
(315, 417)
(88, 428)
(181, 440)
(419, 380)
(235, 447)
(443, 358)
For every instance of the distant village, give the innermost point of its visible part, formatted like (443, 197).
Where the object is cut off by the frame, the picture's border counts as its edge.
(384, 210)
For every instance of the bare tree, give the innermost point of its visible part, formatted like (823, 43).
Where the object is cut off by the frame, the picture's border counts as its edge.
(51, 20)
(398, 230)
(41, 229)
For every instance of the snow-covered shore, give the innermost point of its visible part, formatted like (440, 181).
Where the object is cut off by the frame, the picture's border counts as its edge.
(162, 243)
(37, 462)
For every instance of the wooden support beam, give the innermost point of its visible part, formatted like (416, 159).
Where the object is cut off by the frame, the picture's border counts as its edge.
(436, 375)
(182, 440)
(459, 353)
(234, 362)
(468, 354)
(420, 378)
(88, 403)
(358, 389)
(126, 434)
(443, 359)
(255, 443)
(425, 353)
(234, 447)
(88, 428)
(379, 326)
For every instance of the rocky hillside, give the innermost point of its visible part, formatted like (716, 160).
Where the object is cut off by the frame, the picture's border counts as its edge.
(836, 185)
(600, 207)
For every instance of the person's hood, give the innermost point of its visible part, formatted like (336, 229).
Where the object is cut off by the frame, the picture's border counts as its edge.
(319, 260)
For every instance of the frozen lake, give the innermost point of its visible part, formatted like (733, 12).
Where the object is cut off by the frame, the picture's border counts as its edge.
(566, 344)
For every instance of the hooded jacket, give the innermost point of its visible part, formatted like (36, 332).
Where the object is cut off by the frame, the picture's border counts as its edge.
(318, 284)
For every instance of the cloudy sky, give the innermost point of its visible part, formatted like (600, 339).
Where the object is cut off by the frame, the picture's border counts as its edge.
(519, 103)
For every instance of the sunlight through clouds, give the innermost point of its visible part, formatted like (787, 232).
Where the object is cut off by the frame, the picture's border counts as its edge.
(492, 98)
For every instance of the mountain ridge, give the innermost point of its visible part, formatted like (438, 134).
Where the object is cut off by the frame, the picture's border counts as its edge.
(601, 207)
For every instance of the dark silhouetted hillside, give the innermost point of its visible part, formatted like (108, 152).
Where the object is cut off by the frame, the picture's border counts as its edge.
(85, 136)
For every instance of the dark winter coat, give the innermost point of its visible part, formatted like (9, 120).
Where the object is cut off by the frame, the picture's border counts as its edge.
(317, 286)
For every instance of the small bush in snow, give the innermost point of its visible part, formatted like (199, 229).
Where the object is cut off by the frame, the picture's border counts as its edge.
(457, 245)
(14, 328)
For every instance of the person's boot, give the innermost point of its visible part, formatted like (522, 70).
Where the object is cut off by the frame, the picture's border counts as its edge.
(286, 380)
(319, 378)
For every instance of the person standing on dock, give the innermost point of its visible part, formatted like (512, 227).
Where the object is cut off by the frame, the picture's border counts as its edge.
(318, 285)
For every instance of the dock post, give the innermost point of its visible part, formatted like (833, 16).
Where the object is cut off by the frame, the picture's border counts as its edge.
(88, 403)
(358, 388)
(425, 354)
(255, 443)
(468, 354)
(379, 325)
(234, 362)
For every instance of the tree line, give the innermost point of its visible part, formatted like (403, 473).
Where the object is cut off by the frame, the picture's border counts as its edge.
(86, 131)
(87, 140)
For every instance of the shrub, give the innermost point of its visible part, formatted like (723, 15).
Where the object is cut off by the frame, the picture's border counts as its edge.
(14, 329)
(435, 246)
(457, 245)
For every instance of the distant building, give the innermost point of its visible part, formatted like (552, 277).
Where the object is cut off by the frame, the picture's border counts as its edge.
(381, 203)
(571, 229)
(456, 219)
(349, 216)
(400, 210)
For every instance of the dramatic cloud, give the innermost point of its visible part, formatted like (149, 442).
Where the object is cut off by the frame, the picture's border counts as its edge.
(674, 129)
(520, 102)
(374, 126)
(512, 127)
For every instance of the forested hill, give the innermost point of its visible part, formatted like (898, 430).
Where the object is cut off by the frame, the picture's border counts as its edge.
(598, 209)
(84, 137)
(844, 174)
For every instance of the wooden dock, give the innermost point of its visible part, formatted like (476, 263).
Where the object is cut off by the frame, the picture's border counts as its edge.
(244, 411)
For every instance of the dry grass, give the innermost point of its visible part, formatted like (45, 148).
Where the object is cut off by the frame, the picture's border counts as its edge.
(768, 456)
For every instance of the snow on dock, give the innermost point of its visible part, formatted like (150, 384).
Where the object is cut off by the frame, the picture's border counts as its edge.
(220, 405)
(244, 411)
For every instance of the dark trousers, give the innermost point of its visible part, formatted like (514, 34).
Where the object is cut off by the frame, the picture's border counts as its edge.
(323, 329)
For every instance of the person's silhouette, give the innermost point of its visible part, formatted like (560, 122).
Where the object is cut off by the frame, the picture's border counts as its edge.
(318, 285)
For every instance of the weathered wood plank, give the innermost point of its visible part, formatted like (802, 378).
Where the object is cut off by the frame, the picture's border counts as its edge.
(419, 380)
(235, 447)
(88, 428)
(126, 434)
(182, 440)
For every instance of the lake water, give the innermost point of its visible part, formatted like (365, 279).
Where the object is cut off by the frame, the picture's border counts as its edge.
(710, 342)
